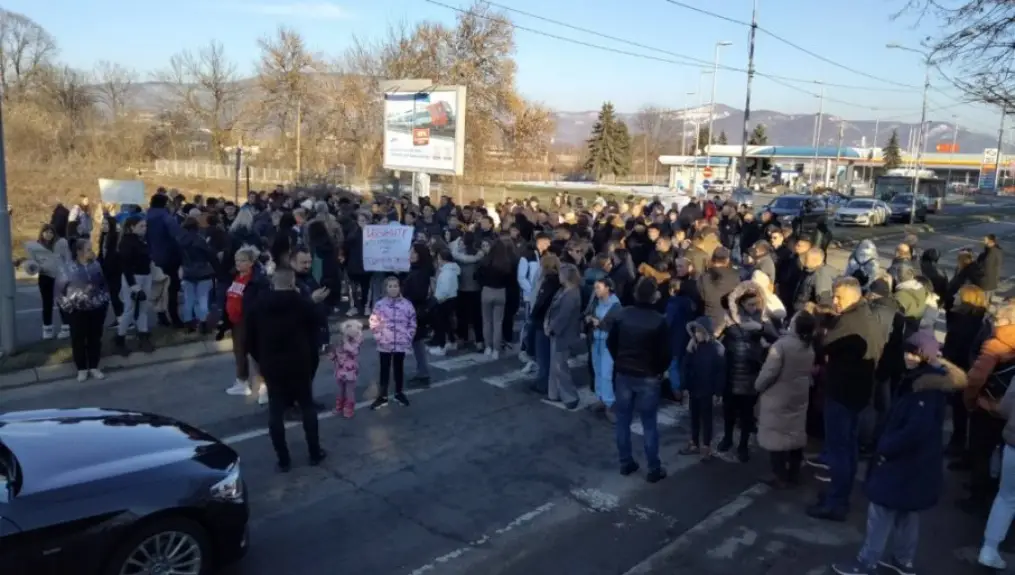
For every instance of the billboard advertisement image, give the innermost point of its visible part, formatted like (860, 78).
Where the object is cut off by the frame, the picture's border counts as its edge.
(425, 131)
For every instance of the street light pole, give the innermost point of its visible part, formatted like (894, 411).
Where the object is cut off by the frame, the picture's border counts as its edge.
(877, 125)
(8, 286)
(920, 134)
(817, 135)
(747, 100)
(711, 105)
(683, 127)
(697, 135)
(951, 151)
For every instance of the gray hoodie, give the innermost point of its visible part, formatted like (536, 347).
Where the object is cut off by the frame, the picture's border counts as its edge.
(468, 262)
(864, 259)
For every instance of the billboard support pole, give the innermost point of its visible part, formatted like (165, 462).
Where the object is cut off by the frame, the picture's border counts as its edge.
(1000, 156)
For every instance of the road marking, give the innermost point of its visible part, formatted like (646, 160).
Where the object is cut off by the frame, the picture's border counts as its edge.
(715, 520)
(469, 360)
(29, 310)
(261, 432)
(520, 521)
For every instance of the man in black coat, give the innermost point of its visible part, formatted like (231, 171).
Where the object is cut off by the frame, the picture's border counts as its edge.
(282, 335)
(852, 348)
(714, 284)
(639, 342)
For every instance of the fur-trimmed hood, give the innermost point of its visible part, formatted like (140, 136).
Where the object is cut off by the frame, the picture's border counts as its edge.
(945, 376)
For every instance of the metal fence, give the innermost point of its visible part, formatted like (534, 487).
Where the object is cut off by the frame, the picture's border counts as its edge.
(211, 171)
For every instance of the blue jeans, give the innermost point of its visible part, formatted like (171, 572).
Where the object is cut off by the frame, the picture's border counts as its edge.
(1003, 510)
(641, 394)
(674, 374)
(542, 343)
(195, 299)
(842, 429)
(602, 367)
(882, 522)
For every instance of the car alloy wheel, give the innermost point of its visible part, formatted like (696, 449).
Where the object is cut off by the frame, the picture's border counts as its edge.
(165, 553)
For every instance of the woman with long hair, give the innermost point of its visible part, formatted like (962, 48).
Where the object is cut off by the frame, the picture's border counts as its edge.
(494, 275)
(563, 327)
(47, 255)
(84, 297)
(136, 288)
(468, 252)
(546, 289)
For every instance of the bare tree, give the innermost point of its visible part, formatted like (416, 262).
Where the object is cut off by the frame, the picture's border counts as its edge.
(976, 37)
(26, 49)
(649, 122)
(205, 87)
(284, 75)
(114, 87)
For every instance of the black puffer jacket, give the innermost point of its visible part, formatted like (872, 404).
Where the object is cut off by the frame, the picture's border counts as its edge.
(548, 288)
(964, 323)
(745, 353)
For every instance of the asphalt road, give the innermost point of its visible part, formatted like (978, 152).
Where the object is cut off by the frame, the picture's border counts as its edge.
(479, 476)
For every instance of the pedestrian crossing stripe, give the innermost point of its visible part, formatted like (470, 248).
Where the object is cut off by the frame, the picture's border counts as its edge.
(469, 360)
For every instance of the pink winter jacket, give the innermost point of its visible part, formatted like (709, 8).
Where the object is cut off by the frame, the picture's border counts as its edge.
(345, 355)
(393, 322)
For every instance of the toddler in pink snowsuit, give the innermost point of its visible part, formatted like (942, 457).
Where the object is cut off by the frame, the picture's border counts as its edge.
(345, 355)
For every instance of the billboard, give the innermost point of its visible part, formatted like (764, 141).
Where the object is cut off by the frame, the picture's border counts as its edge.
(987, 180)
(425, 131)
(947, 148)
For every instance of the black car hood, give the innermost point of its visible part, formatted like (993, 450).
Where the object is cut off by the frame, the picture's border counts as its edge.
(62, 447)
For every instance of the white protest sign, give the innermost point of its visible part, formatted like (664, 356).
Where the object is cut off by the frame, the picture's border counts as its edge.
(386, 248)
(122, 191)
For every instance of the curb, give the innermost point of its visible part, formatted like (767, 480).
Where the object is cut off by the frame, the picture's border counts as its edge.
(111, 363)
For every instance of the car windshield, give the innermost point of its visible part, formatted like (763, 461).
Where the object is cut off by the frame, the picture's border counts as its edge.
(860, 204)
(788, 203)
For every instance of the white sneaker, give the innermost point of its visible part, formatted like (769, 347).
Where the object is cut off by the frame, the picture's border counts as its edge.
(96, 374)
(992, 559)
(352, 312)
(438, 351)
(82, 374)
(524, 357)
(64, 332)
(47, 332)
(530, 367)
(239, 388)
(366, 310)
(262, 395)
(488, 352)
(495, 355)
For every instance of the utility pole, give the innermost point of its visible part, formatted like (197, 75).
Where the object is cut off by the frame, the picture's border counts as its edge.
(747, 100)
(683, 126)
(239, 164)
(817, 135)
(1000, 156)
(877, 125)
(299, 132)
(8, 287)
(919, 139)
(838, 155)
(697, 138)
(951, 151)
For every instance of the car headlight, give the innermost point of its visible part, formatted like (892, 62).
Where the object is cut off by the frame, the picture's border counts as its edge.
(230, 487)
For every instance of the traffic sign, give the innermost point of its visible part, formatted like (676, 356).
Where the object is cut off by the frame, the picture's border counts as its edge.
(707, 172)
(705, 184)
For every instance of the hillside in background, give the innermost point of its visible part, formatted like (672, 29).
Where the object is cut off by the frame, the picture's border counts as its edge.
(783, 129)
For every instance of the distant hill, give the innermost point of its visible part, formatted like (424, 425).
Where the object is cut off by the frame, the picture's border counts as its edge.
(783, 129)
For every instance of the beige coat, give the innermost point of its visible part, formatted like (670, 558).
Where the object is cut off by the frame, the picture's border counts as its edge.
(784, 384)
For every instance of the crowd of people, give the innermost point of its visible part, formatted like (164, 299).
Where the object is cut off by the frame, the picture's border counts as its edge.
(707, 303)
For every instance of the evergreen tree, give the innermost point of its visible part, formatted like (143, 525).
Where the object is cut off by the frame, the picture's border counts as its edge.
(703, 139)
(609, 147)
(722, 140)
(891, 153)
(759, 136)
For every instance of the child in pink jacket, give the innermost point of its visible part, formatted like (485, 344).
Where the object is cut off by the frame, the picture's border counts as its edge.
(393, 322)
(345, 355)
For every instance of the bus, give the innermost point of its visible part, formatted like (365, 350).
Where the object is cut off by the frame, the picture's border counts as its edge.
(887, 187)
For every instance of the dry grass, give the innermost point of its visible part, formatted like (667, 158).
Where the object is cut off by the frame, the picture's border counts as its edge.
(34, 190)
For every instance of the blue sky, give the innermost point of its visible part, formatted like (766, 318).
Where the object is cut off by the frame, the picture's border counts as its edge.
(143, 36)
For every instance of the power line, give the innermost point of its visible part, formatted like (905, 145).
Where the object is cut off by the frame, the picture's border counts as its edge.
(791, 44)
(691, 59)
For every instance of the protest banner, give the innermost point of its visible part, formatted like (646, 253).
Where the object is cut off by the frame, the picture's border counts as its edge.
(386, 248)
